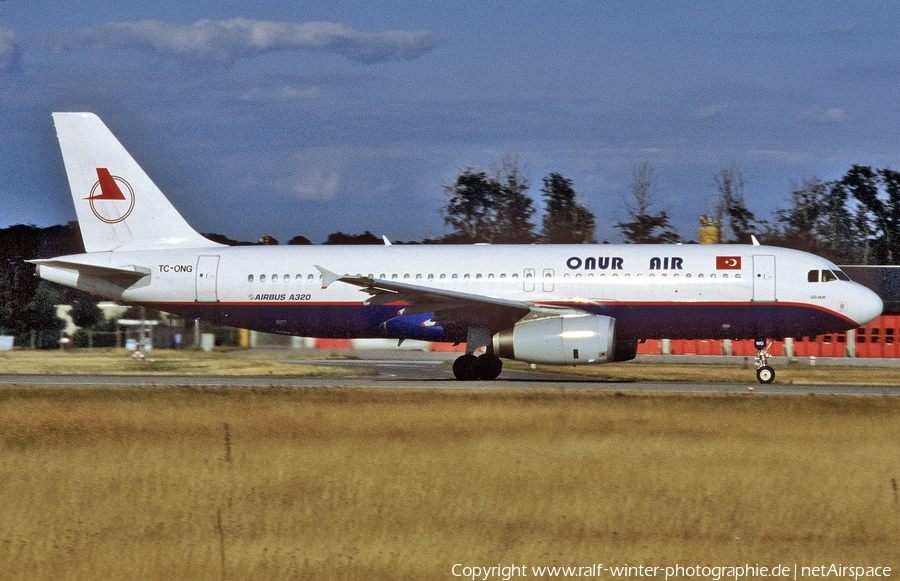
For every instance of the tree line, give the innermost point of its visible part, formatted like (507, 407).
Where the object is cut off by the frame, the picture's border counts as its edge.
(851, 220)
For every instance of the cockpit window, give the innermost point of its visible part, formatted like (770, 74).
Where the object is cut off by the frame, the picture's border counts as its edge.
(826, 275)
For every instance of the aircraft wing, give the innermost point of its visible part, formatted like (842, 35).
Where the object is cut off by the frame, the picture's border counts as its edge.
(450, 308)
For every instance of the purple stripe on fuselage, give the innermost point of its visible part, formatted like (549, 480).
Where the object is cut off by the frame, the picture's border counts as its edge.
(635, 320)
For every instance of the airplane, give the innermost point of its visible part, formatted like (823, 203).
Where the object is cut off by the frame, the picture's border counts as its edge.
(547, 304)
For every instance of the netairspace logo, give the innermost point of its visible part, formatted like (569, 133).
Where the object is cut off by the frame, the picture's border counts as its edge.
(713, 573)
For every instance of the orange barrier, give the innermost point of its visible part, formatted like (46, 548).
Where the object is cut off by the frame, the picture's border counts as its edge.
(880, 338)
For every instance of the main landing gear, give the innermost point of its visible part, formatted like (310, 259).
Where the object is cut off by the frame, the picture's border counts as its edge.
(470, 367)
(764, 373)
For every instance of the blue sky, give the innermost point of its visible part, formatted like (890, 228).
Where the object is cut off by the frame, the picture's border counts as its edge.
(306, 118)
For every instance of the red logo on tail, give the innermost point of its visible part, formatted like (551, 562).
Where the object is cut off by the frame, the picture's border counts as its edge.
(112, 198)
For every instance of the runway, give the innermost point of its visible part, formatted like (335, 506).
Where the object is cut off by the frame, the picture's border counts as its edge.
(418, 370)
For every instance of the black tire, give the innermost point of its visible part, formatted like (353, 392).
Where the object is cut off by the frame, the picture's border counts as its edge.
(466, 368)
(489, 367)
(765, 374)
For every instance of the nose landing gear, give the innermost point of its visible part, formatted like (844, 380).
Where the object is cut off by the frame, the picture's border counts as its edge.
(764, 373)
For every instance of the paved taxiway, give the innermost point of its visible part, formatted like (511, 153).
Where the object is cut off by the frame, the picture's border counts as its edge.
(417, 370)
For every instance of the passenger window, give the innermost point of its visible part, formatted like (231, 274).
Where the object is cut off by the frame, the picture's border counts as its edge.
(394, 277)
(274, 278)
(298, 278)
(455, 277)
(249, 278)
(287, 278)
(418, 277)
(443, 276)
(405, 277)
(430, 277)
(310, 278)
(262, 278)
(466, 276)
(812, 276)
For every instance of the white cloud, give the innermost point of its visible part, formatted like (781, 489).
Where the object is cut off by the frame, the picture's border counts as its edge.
(821, 115)
(9, 50)
(713, 110)
(225, 41)
(317, 184)
(283, 93)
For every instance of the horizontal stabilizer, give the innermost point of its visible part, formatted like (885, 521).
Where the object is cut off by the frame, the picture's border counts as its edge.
(123, 276)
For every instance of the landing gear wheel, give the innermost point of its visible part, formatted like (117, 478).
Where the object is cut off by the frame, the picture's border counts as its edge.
(765, 374)
(489, 367)
(466, 368)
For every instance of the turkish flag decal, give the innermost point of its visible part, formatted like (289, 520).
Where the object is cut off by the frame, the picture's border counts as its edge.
(728, 262)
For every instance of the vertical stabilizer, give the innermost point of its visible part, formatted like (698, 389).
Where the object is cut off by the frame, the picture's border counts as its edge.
(118, 205)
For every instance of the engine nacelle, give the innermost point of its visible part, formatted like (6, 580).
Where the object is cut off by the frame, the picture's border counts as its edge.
(570, 339)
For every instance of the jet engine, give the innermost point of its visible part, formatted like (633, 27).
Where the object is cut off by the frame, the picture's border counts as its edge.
(568, 339)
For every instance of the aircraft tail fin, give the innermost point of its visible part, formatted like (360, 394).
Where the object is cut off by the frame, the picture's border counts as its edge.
(118, 205)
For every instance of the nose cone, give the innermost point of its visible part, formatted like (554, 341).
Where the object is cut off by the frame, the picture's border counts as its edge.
(865, 306)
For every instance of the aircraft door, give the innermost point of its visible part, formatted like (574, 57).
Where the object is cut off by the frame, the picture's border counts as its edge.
(528, 280)
(764, 278)
(207, 272)
(547, 283)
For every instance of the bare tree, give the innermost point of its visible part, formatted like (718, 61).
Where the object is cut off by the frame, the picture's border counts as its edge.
(730, 204)
(644, 227)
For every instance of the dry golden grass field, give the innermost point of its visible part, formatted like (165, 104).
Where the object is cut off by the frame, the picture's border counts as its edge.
(240, 484)
(250, 362)
(163, 362)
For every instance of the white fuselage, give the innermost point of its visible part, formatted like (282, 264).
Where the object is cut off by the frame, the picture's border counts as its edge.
(717, 291)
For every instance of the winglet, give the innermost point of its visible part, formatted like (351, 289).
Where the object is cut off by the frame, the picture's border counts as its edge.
(328, 277)
(755, 241)
(386, 241)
